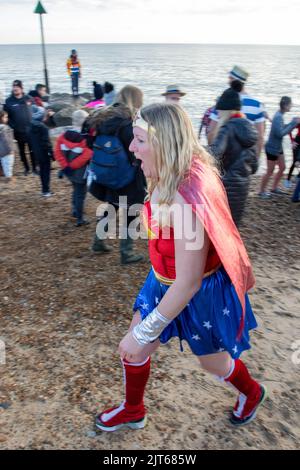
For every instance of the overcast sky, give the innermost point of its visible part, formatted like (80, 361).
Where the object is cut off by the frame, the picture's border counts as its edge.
(187, 21)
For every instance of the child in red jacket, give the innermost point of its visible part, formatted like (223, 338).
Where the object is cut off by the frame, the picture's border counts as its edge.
(73, 155)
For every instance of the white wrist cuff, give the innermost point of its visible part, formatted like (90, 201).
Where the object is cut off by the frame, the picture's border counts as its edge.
(150, 328)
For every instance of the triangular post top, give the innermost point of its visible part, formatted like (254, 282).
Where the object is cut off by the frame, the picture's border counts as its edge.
(40, 9)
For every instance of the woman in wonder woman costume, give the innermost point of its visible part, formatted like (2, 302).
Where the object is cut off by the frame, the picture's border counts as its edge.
(197, 287)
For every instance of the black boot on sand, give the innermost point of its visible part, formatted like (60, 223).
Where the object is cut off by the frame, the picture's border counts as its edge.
(99, 246)
(128, 256)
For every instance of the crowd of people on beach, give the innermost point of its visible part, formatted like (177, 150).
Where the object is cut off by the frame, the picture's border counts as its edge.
(117, 148)
(26, 119)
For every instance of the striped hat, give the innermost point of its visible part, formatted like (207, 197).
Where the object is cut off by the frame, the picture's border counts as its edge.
(173, 89)
(238, 73)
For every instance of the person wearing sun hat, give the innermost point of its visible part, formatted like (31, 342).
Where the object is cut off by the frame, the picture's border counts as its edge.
(251, 107)
(173, 93)
(237, 73)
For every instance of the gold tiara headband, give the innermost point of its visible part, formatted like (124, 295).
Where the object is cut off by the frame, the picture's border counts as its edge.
(140, 122)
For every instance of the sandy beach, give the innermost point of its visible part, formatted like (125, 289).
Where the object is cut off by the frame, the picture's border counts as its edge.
(64, 311)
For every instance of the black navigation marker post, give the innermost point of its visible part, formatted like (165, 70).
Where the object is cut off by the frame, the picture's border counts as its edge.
(40, 10)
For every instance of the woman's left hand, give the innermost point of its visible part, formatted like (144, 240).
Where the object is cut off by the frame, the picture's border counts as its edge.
(130, 349)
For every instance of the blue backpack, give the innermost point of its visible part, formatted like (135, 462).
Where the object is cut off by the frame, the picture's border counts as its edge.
(110, 165)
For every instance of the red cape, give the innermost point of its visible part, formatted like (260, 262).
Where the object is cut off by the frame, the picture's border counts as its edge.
(203, 187)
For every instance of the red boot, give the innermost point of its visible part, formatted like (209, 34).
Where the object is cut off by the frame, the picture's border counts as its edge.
(131, 412)
(251, 396)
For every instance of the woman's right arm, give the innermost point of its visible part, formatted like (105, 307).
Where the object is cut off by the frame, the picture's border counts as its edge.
(191, 249)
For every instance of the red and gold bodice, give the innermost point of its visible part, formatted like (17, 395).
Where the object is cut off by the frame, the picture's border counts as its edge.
(162, 250)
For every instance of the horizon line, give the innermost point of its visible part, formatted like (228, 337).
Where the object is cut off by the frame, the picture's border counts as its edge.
(150, 43)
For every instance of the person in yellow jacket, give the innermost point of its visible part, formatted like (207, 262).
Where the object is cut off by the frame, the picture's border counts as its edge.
(74, 71)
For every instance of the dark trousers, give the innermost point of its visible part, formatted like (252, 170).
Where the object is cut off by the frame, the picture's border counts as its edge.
(296, 195)
(22, 140)
(296, 158)
(45, 166)
(129, 219)
(75, 83)
(78, 198)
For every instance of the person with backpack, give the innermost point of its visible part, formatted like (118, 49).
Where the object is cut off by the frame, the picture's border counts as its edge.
(73, 155)
(41, 146)
(114, 170)
(7, 147)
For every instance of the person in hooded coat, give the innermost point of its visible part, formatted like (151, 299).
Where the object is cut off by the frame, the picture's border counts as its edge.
(73, 155)
(234, 147)
(41, 146)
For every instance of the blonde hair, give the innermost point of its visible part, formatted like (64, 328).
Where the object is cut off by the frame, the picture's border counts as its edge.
(131, 96)
(125, 106)
(224, 116)
(175, 144)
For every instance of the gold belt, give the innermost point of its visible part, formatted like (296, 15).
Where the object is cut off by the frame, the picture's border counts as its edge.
(168, 282)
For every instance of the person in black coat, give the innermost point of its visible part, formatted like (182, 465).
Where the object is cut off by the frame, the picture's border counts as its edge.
(17, 106)
(107, 121)
(41, 146)
(234, 147)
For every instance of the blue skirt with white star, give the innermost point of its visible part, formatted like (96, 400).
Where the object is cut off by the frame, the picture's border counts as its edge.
(210, 322)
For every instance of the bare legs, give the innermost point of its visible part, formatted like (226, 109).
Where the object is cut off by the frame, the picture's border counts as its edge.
(278, 176)
(270, 169)
(132, 412)
(265, 179)
(217, 364)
